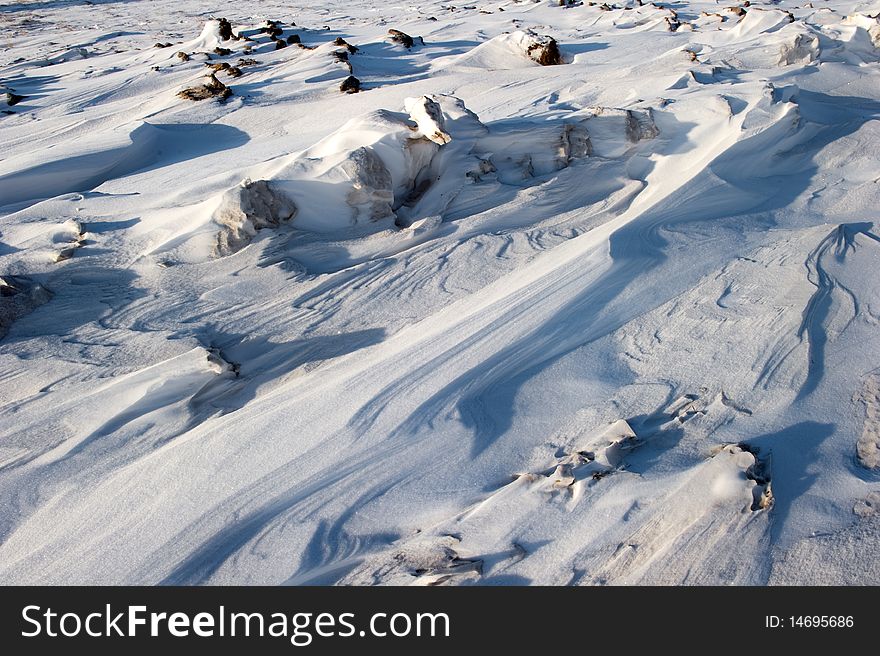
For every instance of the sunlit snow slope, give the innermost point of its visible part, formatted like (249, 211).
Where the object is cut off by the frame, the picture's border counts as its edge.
(548, 293)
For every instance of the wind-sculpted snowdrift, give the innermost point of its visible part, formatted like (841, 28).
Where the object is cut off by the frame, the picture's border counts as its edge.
(388, 169)
(569, 293)
(519, 49)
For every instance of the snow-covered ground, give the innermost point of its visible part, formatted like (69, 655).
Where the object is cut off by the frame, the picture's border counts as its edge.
(557, 293)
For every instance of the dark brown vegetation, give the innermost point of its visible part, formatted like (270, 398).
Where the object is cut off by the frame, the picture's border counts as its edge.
(350, 85)
(212, 88)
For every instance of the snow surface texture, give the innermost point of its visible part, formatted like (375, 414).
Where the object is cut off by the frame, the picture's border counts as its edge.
(597, 312)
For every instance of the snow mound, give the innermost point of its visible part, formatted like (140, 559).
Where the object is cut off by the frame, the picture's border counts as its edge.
(520, 49)
(404, 39)
(770, 39)
(358, 177)
(360, 174)
(210, 37)
(211, 87)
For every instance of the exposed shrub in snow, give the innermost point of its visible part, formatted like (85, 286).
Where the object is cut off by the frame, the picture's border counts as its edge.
(212, 88)
(210, 37)
(543, 49)
(339, 41)
(518, 49)
(272, 28)
(404, 39)
(224, 29)
(350, 85)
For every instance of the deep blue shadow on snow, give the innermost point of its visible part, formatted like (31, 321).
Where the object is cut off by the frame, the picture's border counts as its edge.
(794, 453)
(151, 146)
(485, 393)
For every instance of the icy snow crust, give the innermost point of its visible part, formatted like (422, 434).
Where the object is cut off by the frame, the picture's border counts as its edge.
(555, 295)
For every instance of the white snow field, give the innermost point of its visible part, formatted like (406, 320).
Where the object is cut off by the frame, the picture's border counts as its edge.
(533, 293)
